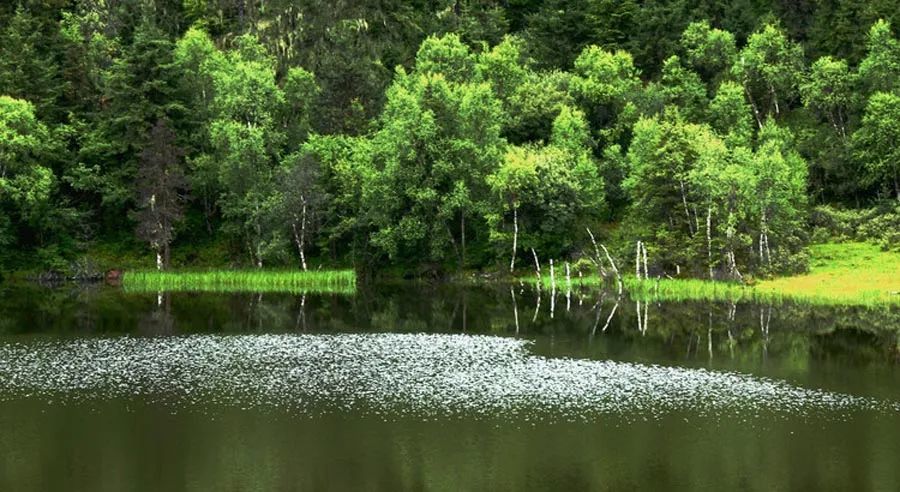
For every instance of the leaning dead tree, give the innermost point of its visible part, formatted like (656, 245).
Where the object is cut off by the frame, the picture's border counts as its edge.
(609, 258)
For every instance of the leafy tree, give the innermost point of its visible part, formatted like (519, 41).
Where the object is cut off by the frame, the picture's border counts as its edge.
(557, 187)
(512, 182)
(681, 87)
(769, 67)
(778, 199)
(603, 83)
(830, 90)
(730, 115)
(138, 90)
(878, 70)
(876, 141)
(161, 192)
(438, 139)
(663, 211)
(25, 185)
(303, 198)
(27, 70)
(712, 52)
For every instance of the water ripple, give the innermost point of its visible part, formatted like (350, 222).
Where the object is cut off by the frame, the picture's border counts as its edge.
(392, 374)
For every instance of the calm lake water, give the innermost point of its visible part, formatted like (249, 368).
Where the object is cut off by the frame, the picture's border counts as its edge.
(414, 387)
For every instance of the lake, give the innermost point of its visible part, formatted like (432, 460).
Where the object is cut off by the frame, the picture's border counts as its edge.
(421, 387)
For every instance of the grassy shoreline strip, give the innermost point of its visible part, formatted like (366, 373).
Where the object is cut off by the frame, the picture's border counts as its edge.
(841, 274)
(323, 281)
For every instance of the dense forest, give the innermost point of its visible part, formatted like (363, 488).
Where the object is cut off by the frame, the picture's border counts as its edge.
(431, 135)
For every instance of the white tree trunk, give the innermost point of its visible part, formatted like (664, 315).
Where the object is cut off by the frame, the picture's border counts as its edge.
(637, 260)
(646, 270)
(512, 261)
(303, 236)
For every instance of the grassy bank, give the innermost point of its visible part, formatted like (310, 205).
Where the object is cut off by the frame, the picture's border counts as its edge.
(843, 273)
(327, 281)
(840, 274)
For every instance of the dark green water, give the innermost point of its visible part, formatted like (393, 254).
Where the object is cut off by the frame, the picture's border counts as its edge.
(94, 437)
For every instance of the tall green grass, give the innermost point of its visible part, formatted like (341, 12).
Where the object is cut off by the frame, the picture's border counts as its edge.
(326, 281)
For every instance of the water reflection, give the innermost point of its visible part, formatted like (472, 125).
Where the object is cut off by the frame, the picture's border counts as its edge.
(685, 331)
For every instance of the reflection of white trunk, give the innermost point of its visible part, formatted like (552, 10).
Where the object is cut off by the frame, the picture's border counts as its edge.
(512, 293)
(512, 261)
(611, 314)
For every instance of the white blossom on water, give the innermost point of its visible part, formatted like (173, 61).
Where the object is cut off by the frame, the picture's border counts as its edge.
(390, 375)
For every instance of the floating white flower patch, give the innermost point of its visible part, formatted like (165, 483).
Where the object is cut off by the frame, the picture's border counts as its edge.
(391, 375)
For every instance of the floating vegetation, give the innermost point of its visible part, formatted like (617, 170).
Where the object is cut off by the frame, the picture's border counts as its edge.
(390, 375)
(323, 281)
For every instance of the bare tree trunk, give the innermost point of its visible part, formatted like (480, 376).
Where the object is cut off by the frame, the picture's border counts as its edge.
(646, 270)
(300, 236)
(637, 260)
(298, 241)
(512, 261)
(774, 100)
(598, 259)
(755, 108)
(552, 276)
(615, 269)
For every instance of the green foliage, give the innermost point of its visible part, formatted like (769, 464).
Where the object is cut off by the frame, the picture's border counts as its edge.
(439, 137)
(879, 68)
(770, 68)
(710, 51)
(879, 225)
(876, 142)
(420, 133)
(693, 197)
(26, 186)
(548, 190)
